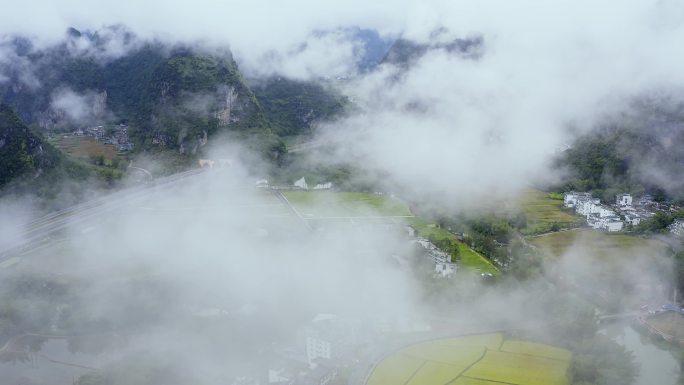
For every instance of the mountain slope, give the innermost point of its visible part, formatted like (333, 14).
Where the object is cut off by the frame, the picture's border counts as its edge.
(172, 97)
(639, 150)
(404, 52)
(29, 166)
(22, 154)
(295, 107)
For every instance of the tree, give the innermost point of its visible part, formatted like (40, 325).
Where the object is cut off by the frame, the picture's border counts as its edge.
(656, 224)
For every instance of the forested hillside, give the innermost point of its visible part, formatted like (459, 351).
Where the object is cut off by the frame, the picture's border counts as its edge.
(639, 151)
(295, 106)
(172, 97)
(31, 166)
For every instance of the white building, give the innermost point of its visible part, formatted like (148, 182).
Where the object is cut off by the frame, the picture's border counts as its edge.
(612, 224)
(301, 183)
(318, 347)
(571, 198)
(623, 200)
(445, 270)
(600, 217)
(323, 186)
(330, 337)
(437, 255)
(633, 219)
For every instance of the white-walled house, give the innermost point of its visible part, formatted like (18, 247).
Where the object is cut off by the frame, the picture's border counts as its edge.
(600, 217)
(613, 224)
(633, 219)
(445, 270)
(571, 198)
(589, 206)
(623, 199)
(610, 223)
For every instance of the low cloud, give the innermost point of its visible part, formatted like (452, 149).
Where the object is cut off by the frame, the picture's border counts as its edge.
(79, 108)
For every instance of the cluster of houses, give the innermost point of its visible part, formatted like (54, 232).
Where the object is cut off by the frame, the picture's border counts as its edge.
(330, 344)
(299, 184)
(609, 218)
(120, 137)
(441, 260)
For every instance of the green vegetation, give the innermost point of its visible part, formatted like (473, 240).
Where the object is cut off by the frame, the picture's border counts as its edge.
(621, 154)
(545, 212)
(659, 222)
(190, 95)
(33, 166)
(85, 147)
(318, 204)
(598, 244)
(465, 255)
(22, 152)
(171, 97)
(481, 359)
(342, 205)
(294, 107)
(595, 264)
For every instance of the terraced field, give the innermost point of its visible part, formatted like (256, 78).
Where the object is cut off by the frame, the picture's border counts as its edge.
(486, 359)
(544, 211)
(85, 147)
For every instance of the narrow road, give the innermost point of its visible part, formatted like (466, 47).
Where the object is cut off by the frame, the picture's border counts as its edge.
(293, 209)
(39, 231)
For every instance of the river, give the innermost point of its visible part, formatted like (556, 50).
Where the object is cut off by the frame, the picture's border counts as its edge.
(657, 364)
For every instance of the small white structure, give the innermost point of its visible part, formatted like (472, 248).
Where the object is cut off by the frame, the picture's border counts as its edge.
(623, 199)
(323, 186)
(445, 270)
(571, 198)
(317, 347)
(633, 219)
(613, 224)
(262, 183)
(206, 163)
(609, 223)
(301, 183)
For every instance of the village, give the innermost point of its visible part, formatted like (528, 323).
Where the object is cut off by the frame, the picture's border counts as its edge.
(623, 215)
(116, 136)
